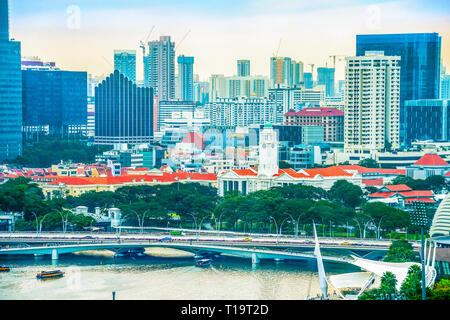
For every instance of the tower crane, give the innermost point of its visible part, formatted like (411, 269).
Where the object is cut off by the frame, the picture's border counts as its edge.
(336, 56)
(182, 40)
(143, 42)
(278, 48)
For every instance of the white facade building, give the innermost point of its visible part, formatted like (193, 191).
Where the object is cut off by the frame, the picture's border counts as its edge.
(240, 111)
(372, 102)
(268, 174)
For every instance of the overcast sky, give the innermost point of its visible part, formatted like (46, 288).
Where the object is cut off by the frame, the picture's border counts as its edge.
(82, 34)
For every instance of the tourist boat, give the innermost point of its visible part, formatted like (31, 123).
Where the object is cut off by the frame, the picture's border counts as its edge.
(4, 268)
(203, 263)
(50, 274)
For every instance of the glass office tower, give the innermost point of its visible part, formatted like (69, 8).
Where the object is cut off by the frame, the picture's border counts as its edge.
(325, 76)
(186, 77)
(10, 91)
(123, 112)
(125, 62)
(55, 98)
(419, 65)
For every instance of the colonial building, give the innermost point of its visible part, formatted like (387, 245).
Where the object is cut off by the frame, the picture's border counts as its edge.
(428, 165)
(268, 174)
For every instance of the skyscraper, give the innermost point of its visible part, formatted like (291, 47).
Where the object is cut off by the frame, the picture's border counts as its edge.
(159, 68)
(125, 63)
(325, 76)
(297, 72)
(308, 80)
(372, 103)
(186, 77)
(61, 94)
(10, 90)
(420, 63)
(123, 111)
(281, 71)
(243, 68)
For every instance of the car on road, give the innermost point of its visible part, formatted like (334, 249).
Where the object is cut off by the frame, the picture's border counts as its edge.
(346, 243)
(165, 239)
(247, 239)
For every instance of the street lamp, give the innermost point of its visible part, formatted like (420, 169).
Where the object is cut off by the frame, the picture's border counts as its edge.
(37, 223)
(276, 226)
(281, 226)
(195, 222)
(419, 218)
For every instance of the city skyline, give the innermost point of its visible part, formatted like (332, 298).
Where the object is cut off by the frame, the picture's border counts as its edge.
(82, 35)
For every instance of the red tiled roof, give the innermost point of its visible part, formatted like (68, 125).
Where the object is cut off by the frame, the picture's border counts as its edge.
(373, 182)
(245, 172)
(431, 160)
(417, 193)
(362, 169)
(316, 112)
(165, 177)
(381, 194)
(398, 187)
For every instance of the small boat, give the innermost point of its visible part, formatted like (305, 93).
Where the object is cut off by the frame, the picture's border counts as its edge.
(198, 257)
(203, 263)
(4, 269)
(50, 274)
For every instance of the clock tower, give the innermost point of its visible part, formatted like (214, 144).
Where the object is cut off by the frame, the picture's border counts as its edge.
(268, 151)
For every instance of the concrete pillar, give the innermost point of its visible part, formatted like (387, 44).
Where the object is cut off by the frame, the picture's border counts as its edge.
(54, 254)
(255, 258)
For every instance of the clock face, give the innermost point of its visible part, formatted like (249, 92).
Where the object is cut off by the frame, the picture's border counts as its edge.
(273, 145)
(264, 145)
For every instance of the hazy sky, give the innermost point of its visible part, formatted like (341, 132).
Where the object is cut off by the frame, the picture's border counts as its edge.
(82, 34)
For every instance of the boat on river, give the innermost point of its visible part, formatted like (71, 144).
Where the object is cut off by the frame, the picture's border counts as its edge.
(50, 274)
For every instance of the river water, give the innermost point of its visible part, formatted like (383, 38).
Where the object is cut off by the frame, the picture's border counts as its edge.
(162, 274)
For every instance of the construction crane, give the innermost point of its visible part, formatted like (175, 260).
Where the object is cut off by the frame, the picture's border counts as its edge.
(144, 42)
(278, 48)
(334, 59)
(182, 40)
(106, 60)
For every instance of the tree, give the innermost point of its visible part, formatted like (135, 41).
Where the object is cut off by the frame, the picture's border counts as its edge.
(441, 290)
(284, 164)
(400, 251)
(412, 286)
(436, 183)
(369, 163)
(346, 193)
(387, 286)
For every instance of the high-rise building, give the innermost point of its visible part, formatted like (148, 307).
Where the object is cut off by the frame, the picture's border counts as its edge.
(420, 63)
(159, 68)
(4, 20)
(287, 99)
(325, 76)
(427, 120)
(372, 103)
(240, 111)
(217, 86)
(123, 111)
(445, 87)
(201, 92)
(54, 101)
(308, 80)
(331, 119)
(281, 71)
(297, 69)
(186, 77)
(10, 90)
(125, 63)
(243, 68)
(167, 108)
